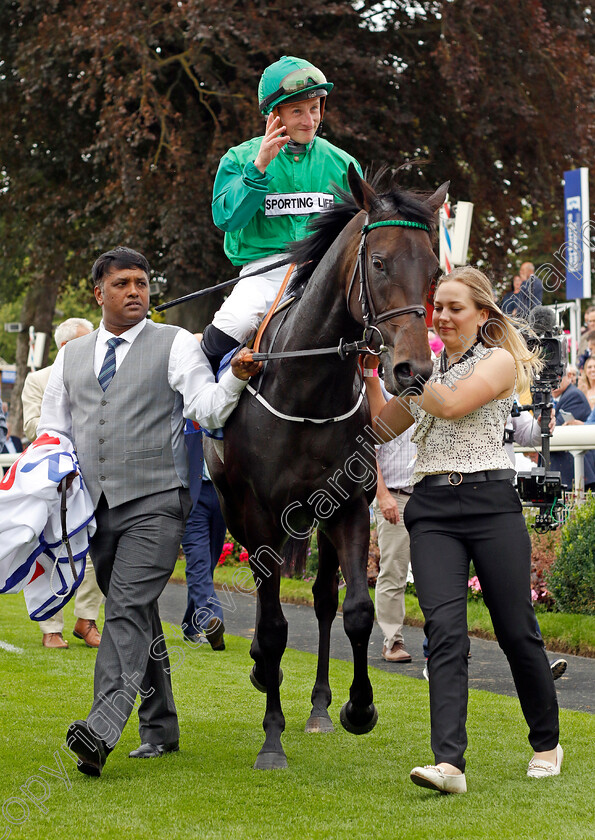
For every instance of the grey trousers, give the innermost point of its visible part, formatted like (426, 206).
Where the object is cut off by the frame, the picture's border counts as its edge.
(134, 551)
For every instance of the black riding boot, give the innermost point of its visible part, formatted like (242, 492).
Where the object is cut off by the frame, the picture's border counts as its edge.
(216, 344)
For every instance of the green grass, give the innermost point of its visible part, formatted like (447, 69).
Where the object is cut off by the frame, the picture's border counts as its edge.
(562, 632)
(337, 786)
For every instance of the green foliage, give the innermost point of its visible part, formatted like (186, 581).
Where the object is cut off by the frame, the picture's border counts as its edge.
(75, 301)
(312, 560)
(572, 577)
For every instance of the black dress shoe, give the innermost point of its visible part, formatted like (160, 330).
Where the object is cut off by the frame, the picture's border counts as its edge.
(92, 752)
(154, 750)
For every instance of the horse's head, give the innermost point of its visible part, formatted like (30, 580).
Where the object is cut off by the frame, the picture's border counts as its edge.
(396, 266)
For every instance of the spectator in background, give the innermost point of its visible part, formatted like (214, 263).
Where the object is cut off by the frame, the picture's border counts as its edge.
(202, 544)
(88, 597)
(36, 381)
(571, 404)
(572, 374)
(12, 444)
(530, 293)
(587, 381)
(590, 454)
(589, 351)
(395, 468)
(509, 302)
(589, 321)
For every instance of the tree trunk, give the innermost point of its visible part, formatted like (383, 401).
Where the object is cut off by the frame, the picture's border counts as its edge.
(196, 314)
(38, 311)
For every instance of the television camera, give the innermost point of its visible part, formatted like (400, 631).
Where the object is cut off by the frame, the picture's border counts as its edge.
(541, 487)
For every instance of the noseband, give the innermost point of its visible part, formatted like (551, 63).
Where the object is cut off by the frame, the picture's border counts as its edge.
(369, 312)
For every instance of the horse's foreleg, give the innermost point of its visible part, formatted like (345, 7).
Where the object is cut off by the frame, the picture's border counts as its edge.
(257, 674)
(326, 600)
(270, 643)
(351, 538)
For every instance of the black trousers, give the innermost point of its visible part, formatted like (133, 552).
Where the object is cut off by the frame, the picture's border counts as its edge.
(448, 527)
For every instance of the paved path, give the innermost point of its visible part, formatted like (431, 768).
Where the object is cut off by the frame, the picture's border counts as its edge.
(488, 668)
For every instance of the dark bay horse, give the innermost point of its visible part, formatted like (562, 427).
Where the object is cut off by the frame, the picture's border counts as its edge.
(298, 450)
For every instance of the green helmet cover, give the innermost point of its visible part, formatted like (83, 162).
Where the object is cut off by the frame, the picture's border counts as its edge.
(290, 78)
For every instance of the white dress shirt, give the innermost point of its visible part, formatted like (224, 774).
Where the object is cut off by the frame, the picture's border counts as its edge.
(189, 372)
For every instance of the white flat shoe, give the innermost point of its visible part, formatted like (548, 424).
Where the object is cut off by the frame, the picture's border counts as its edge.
(435, 778)
(540, 769)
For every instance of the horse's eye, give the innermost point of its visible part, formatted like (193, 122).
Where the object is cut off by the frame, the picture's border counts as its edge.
(377, 263)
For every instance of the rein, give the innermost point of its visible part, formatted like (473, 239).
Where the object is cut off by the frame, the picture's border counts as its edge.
(62, 487)
(344, 349)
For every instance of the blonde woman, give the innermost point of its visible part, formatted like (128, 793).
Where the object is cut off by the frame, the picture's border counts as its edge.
(464, 507)
(587, 380)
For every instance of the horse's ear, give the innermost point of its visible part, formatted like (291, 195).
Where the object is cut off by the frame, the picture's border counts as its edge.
(437, 200)
(362, 192)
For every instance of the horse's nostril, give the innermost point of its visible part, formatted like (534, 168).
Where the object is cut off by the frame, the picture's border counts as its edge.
(403, 372)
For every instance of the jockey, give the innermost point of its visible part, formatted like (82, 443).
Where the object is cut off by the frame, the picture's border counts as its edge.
(267, 189)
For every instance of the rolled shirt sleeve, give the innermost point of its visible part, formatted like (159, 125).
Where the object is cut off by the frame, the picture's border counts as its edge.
(55, 407)
(206, 401)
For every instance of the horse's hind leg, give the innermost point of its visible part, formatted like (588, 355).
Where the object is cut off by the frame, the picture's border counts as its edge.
(351, 538)
(326, 600)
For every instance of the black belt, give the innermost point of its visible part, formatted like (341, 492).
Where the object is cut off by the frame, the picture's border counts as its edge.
(455, 478)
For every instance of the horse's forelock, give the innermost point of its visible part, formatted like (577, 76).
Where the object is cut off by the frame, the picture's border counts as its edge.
(413, 207)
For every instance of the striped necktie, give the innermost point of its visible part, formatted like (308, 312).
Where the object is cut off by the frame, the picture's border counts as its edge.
(108, 368)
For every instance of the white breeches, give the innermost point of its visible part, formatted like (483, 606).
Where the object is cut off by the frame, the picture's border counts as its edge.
(252, 297)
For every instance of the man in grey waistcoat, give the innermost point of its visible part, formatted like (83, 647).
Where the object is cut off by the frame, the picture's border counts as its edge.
(120, 394)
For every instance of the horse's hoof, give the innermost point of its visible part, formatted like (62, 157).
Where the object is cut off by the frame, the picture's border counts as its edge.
(319, 724)
(257, 684)
(270, 761)
(366, 723)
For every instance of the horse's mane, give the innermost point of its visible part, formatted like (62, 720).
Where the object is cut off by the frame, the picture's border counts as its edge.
(307, 253)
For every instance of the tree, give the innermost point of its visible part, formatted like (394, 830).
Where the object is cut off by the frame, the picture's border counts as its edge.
(115, 116)
(500, 98)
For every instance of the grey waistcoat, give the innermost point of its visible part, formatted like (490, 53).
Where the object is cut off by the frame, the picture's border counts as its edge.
(130, 439)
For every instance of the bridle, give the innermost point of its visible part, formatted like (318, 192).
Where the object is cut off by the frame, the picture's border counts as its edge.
(370, 314)
(371, 320)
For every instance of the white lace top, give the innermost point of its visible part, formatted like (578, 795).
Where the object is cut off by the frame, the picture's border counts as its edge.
(465, 444)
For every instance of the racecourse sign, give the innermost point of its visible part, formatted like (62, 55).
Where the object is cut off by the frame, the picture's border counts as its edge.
(577, 256)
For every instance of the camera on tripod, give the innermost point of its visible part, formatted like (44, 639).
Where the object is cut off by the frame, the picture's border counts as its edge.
(542, 488)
